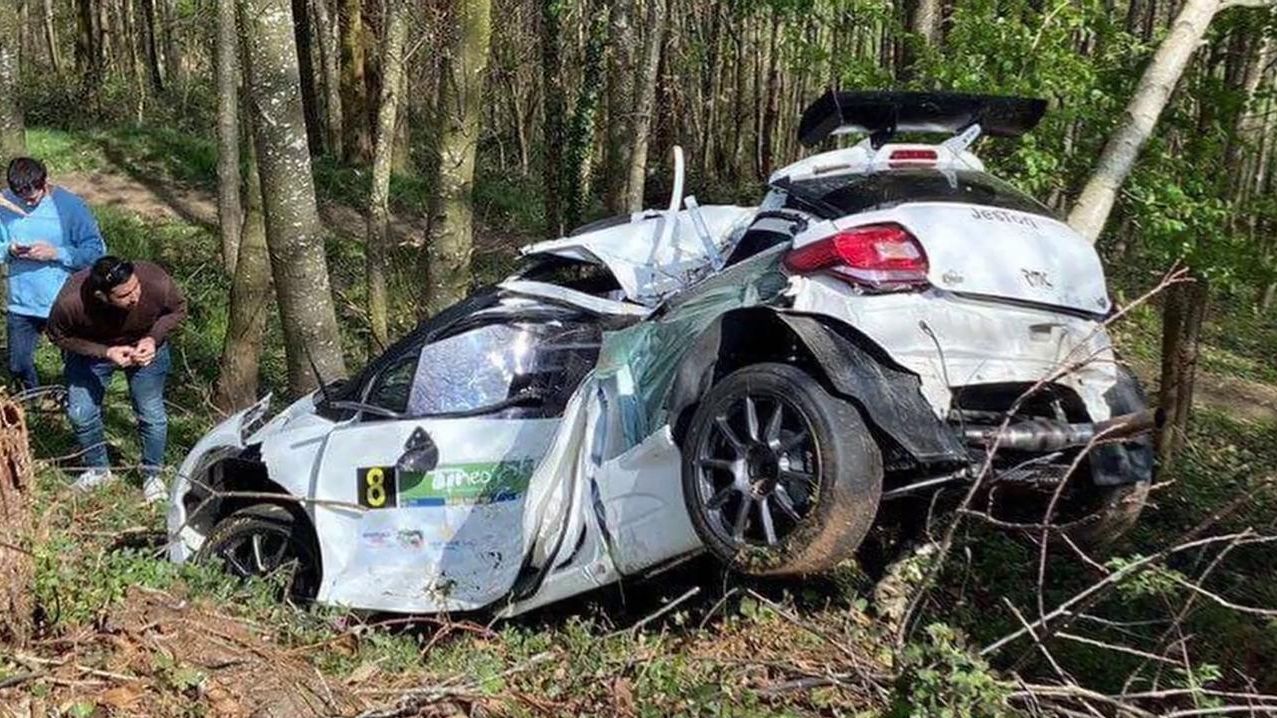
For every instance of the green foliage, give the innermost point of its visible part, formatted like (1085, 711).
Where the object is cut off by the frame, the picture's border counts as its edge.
(942, 678)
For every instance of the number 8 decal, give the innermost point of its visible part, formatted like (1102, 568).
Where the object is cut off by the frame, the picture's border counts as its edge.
(377, 487)
(376, 480)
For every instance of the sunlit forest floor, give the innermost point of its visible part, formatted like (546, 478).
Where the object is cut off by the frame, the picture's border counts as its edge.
(125, 633)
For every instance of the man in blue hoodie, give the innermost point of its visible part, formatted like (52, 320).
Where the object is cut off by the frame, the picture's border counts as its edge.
(46, 234)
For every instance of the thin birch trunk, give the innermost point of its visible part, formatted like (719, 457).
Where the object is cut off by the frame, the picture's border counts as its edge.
(644, 110)
(1118, 157)
(293, 232)
(174, 73)
(621, 82)
(356, 142)
(328, 61)
(383, 153)
(51, 38)
(236, 385)
(452, 212)
(12, 129)
(230, 212)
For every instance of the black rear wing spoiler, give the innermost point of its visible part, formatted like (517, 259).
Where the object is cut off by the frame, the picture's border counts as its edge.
(885, 113)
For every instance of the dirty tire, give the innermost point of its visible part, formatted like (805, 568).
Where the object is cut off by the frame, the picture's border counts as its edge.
(809, 481)
(1119, 511)
(281, 539)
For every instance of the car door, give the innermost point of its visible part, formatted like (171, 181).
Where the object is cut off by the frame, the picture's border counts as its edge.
(437, 462)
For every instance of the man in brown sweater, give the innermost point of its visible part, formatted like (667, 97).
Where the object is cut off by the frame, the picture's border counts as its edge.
(117, 315)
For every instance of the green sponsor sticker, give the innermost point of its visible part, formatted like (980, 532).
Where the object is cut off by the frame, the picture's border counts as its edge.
(478, 483)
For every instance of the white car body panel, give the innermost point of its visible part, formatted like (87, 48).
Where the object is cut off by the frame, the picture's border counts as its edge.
(982, 343)
(645, 264)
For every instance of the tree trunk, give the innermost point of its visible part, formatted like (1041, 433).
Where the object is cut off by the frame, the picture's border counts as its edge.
(174, 75)
(1123, 147)
(1182, 316)
(924, 24)
(645, 107)
(555, 107)
(329, 56)
(147, 8)
(771, 108)
(379, 198)
(230, 212)
(236, 385)
(452, 214)
(51, 38)
(580, 140)
(1244, 150)
(12, 130)
(620, 105)
(356, 142)
(306, 71)
(293, 231)
(17, 526)
(85, 63)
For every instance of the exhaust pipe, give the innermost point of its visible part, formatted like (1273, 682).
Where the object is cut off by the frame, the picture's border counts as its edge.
(1043, 435)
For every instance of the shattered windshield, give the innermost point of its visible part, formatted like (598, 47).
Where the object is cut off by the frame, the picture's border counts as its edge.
(494, 363)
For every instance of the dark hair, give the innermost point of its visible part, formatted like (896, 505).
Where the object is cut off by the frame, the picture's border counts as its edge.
(25, 174)
(109, 272)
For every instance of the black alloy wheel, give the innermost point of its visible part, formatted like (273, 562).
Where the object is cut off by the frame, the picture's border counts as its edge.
(779, 475)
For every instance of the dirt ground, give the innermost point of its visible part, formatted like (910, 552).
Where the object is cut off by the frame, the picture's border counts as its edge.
(169, 201)
(158, 649)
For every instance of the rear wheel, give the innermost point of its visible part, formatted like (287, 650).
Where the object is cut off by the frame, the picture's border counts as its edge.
(779, 476)
(266, 541)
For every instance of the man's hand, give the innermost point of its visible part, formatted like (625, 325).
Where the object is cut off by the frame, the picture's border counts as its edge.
(122, 356)
(41, 252)
(144, 351)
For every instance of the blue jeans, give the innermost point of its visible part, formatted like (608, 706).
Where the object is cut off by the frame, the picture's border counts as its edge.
(87, 380)
(24, 332)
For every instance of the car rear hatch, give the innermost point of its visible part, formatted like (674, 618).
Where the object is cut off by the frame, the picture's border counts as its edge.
(982, 237)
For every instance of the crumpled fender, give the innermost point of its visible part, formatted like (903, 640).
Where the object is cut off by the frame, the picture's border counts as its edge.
(1131, 461)
(890, 395)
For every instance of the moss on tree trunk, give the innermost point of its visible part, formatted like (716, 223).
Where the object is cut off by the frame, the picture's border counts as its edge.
(452, 211)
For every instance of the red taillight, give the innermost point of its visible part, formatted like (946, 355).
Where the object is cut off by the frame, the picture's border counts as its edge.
(881, 256)
(905, 158)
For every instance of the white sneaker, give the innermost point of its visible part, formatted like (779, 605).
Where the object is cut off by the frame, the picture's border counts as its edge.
(92, 479)
(154, 489)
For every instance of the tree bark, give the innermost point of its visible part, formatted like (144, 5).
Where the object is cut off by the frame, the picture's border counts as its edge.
(620, 110)
(174, 75)
(383, 155)
(452, 213)
(1118, 157)
(1244, 151)
(306, 71)
(924, 23)
(230, 212)
(147, 8)
(1183, 312)
(771, 108)
(236, 385)
(51, 38)
(356, 142)
(12, 129)
(293, 232)
(328, 60)
(17, 526)
(644, 110)
(580, 140)
(555, 107)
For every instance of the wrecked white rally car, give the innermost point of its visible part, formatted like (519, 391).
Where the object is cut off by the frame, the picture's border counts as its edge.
(754, 382)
